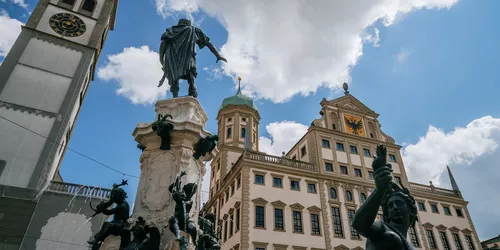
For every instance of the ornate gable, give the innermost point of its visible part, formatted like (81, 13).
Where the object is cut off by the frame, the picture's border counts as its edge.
(349, 103)
(441, 227)
(341, 247)
(454, 229)
(297, 206)
(428, 225)
(314, 209)
(358, 248)
(466, 231)
(259, 200)
(278, 203)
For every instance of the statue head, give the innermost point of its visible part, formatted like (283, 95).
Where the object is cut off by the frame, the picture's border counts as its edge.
(184, 22)
(210, 217)
(118, 195)
(399, 206)
(139, 229)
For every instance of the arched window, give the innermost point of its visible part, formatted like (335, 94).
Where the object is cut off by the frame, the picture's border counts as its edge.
(333, 193)
(89, 5)
(348, 195)
(243, 132)
(229, 133)
(362, 197)
(70, 2)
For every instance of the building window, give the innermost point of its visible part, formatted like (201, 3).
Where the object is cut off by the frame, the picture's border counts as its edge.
(334, 126)
(343, 170)
(348, 195)
(458, 242)
(238, 182)
(444, 240)
(260, 248)
(362, 198)
(259, 217)
(231, 225)
(315, 224)
(237, 219)
(311, 188)
(297, 222)
(217, 186)
(70, 2)
(398, 179)
(278, 219)
(459, 212)
(328, 167)
(294, 185)
(434, 208)
(350, 214)
(371, 135)
(370, 175)
(337, 222)
(340, 146)
(333, 193)
(354, 149)
(243, 133)
(303, 151)
(413, 236)
(229, 119)
(392, 158)
(430, 238)
(229, 133)
(89, 5)
(446, 210)
(366, 152)
(225, 230)
(227, 196)
(277, 182)
(232, 190)
(325, 143)
(470, 244)
(421, 206)
(357, 172)
(259, 179)
(218, 164)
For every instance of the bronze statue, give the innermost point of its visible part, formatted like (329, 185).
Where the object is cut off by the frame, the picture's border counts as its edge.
(208, 239)
(205, 146)
(399, 210)
(141, 241)
(162, 129)
(183, 203)
(178, 55)
(120, 214)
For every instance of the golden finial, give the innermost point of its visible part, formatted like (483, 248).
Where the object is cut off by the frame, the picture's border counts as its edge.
(239, 84)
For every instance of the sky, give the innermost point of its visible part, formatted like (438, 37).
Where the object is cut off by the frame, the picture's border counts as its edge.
(428, 67)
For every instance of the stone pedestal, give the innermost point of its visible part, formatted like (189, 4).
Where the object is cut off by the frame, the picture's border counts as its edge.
(159, 168)
(111, 243)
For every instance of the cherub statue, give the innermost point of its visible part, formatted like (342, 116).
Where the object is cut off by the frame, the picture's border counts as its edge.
(162, 129)
(208, 239)
(183, 203)
(205, 146)
(120, 214)
(141, 241)
(399, 209)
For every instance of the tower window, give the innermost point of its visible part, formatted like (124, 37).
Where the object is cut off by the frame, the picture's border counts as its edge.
(371, 135)
(243, 132)
(89, 5)
(243, 119)
(70, 2)
(334, 127)
(229, 133)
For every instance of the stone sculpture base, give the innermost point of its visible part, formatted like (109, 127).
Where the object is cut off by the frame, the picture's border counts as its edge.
(111, 243)
(159, 168)
(175, 245)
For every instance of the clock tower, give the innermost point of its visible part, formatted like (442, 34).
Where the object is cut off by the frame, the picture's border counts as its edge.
(43, 82)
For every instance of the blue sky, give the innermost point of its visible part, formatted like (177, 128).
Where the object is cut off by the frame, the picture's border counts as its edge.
(432, 74)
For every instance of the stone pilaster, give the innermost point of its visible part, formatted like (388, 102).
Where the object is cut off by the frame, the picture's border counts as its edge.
(159, 168)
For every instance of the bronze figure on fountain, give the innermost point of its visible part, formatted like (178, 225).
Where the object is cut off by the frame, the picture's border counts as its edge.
(399, 210)
(178, 55)
(120, 214)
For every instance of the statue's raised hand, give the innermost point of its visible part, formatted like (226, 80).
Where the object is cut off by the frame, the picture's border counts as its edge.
(383, 171)
(220, 58)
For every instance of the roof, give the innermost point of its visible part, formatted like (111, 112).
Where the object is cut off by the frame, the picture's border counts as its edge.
(238, 99)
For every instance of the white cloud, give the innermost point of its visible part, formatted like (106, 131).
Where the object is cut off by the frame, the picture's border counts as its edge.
(283, 136)
(10, 29)
(137, 72)
(402, 55)
(288, 47)
(427, 159)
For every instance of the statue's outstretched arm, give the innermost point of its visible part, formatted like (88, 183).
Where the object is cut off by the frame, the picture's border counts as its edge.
(364, 221)
(215, 52)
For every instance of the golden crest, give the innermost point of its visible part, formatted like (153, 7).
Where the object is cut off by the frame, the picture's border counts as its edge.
(354, 125)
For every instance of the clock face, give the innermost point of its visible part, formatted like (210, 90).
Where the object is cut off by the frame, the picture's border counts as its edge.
(354, 125)
(66, 24)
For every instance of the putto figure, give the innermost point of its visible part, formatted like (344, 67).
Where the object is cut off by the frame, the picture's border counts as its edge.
(207, 240)
(205, 146)
(399, 209)
(178, 55)
(120, 214)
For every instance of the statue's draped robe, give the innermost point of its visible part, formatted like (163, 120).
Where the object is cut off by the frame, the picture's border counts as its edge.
(178, 51)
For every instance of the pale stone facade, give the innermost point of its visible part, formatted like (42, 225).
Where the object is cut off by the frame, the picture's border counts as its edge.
(306, 199)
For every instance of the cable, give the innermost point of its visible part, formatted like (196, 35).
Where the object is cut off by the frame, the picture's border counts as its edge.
(70, 149)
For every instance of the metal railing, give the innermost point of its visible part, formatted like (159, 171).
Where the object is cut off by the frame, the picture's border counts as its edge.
(433, 189)
(77, 189)
(251, 155)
